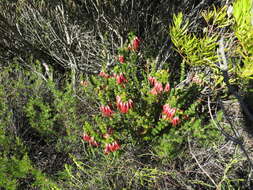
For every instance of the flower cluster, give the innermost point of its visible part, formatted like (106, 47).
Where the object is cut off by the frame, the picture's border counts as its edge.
(90, 140)
(120, 78)
(111, 147)
(169, 114)
(123, 107)
(106, 111)
(104, 75)
(157, 86)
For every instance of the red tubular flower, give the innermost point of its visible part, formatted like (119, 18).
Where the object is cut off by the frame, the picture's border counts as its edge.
(107, 148)
(120, 78)
(106, 111)
(167, 87)
(136, 43)
(152, 80)
(90, 140)
(130, 102)
(115, 146)
(86, 137)
(118, 100)
(153, 91)
(169, 112)
(175, 121)
(121, 59)
(104, 75)
(123, 107)
(111, 147)
(158, 87)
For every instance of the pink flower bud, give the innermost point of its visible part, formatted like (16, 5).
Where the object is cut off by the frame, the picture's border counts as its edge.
(121, 59)
(169, 112)
(86, 137)
(153, 91)
(167, 87)
(136, 43)
(152, 80)
(104, 75)
(175, 121)
(120, 79)
(159, 87)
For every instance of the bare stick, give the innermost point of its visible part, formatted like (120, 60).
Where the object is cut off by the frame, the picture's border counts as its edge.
(204, 171)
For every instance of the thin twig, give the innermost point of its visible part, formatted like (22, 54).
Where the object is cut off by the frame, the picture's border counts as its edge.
(200, 165)
(235, 139)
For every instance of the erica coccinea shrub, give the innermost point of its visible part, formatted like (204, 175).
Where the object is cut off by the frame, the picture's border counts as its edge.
(137, 103)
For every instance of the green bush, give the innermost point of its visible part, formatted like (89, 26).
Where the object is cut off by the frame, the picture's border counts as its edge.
(139, 105)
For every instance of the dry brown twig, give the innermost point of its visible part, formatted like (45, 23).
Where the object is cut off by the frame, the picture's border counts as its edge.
(204, 171)
(235, 139)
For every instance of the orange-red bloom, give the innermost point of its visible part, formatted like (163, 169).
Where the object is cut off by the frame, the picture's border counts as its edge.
(121, 59)
(90, 140)
(136, 43)
(111, 147)
(120, 78)
(123, 107)
(104, 75)
(106, 111)
(175, 121)
(152, 80)
(167, 87)
(86, 137)
(168, 111)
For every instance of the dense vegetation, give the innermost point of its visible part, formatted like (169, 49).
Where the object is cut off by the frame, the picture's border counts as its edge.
(122, 94)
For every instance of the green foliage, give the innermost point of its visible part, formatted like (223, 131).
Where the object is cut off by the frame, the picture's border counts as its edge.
(40, 116)
(216, 18)
(175, 142)
(244, 32)
(200, 51)
(195, 51)
(108, 172)
(16, 167)
(43, 182)
(11, 170)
